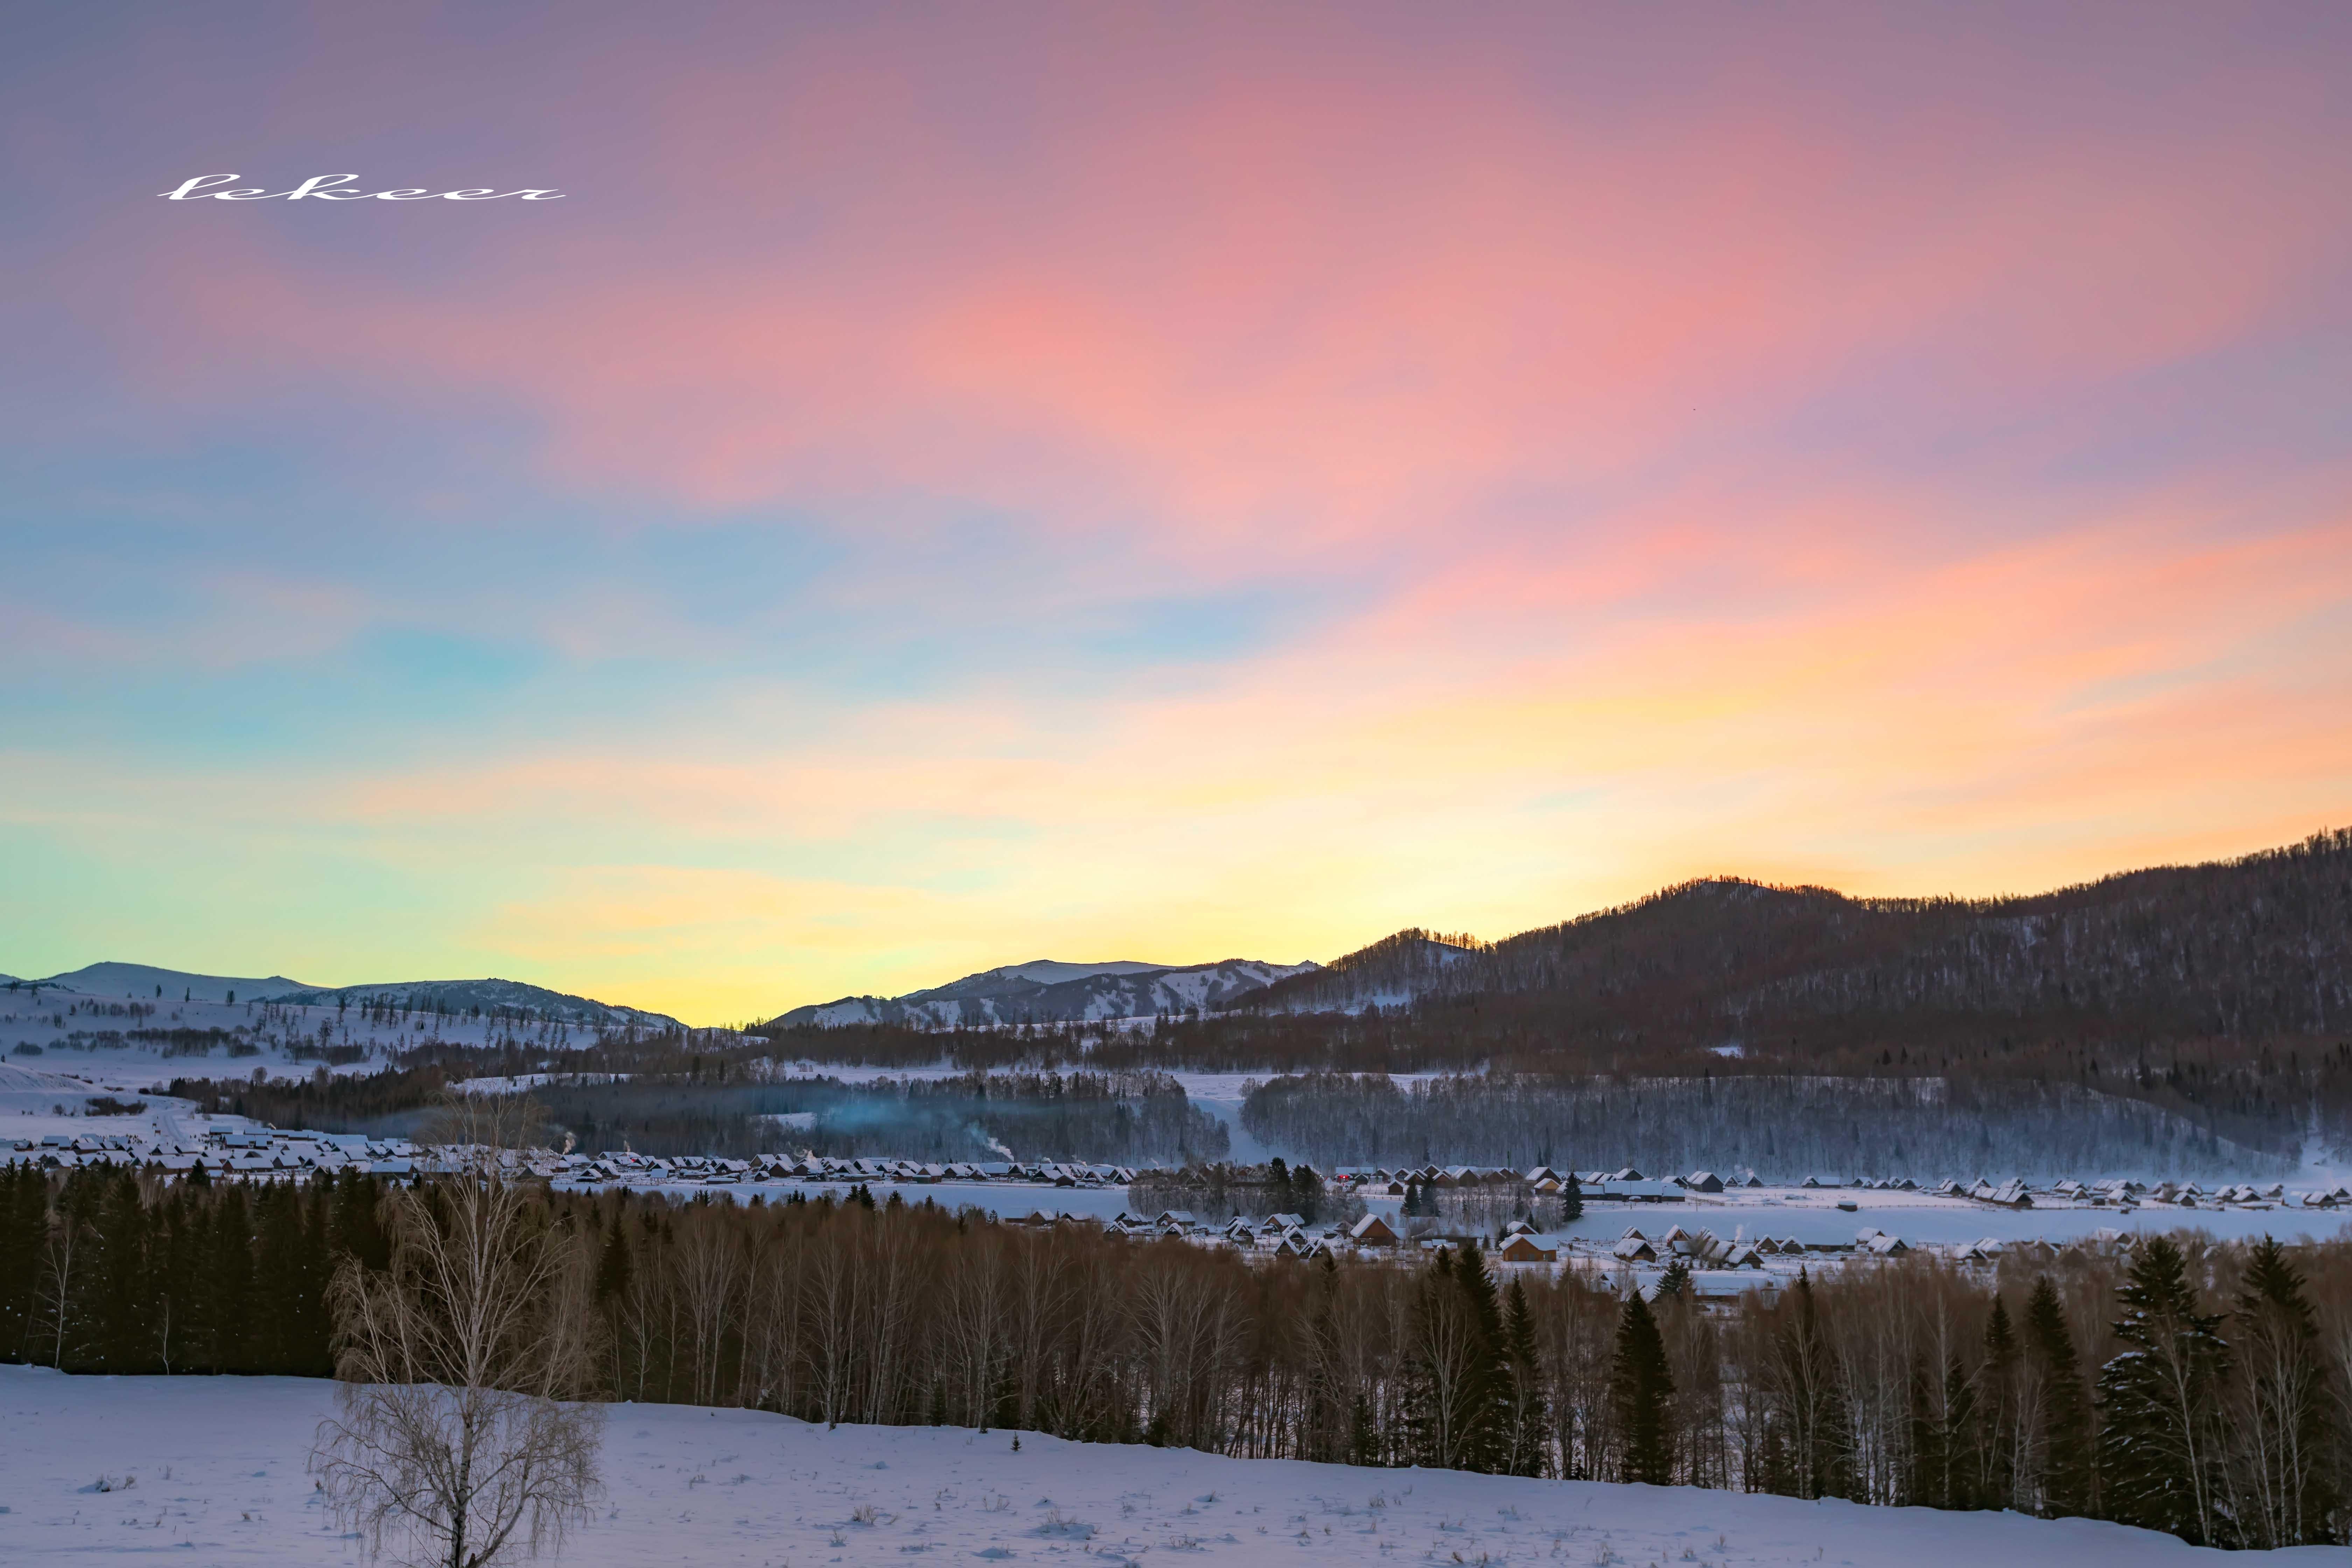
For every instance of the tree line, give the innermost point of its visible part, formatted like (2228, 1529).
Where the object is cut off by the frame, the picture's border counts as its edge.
(1216, 1190)
(1124, 1118)
(714, 1106)
(1783, 1128)
(113, 1271)
(2189, 1387)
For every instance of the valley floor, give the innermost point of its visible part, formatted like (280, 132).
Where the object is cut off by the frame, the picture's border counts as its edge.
(211, 1470)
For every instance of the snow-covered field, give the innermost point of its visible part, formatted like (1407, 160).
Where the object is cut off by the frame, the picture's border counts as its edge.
(211, 1470)
(53, 1022)
(36, 1103)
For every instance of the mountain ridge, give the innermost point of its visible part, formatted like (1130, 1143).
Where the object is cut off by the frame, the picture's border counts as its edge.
(144, 980)
(1030, 994)
(139, 982)
(490, 994)
(2257, 945)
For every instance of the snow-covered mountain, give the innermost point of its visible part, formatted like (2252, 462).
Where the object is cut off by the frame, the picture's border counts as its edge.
(513, 996)
(1046, 991)
(145, 982)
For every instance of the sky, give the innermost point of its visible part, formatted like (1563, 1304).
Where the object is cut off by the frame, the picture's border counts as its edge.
(945, 487)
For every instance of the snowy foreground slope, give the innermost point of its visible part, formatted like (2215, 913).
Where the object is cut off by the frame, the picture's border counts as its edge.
(210, 1471)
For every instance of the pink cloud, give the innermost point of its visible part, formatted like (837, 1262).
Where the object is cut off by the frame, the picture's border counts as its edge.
(1293, 314)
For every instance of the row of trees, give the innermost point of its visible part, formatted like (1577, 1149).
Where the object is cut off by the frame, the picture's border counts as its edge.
(2189, 1387)
(706, 1105)
(115, 1272)
(1785, 1127)
(1218, 1191)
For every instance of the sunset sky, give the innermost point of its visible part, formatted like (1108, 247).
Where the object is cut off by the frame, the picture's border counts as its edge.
(948, 487)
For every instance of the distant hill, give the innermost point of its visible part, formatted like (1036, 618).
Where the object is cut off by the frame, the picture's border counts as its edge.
(1045, 991)
(137, 980)
(143, 980)
(512, 997)
(2254, 948)
(1391, 973)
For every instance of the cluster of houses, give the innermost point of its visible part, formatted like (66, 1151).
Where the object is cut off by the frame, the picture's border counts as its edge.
(259, 1155)
(277, 1152)
(267, 1153)
(1629, 1185)
(2123, 1194)
(714, 1171)
(1718, 1268)
(1278, 1234)
(1626, 1184)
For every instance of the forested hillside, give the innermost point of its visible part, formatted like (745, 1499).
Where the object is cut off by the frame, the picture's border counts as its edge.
(1121, 1118)
(1785, 1127)
(2256, 948)
(2220, 992)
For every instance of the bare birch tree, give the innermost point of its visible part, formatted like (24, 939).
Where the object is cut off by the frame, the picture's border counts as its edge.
(58, 1289)
(456, 1438)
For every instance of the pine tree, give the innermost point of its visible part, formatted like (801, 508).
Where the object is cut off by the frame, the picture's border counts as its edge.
(228, 1282)
(1306, 1193)
(1641, 1396)
(1531, 1413)
(1364, 1447)
(24, 1222)
(1996, 1474)
(1424, 1425)
(356, 1230)
(176, 1250)
(191, 1253)
(614, 1266)
(312, 1324)
(1943, 1436)
(119, 1279)
(1486, 1439)
(277, 1279)
(1816, 1448)
(1674, 1281)
(2160, 1446)
(2064, 1439)
(1457, 1385)
(2286, 1445)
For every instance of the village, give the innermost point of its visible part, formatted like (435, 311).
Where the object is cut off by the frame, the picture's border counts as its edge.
(1718, 1238)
